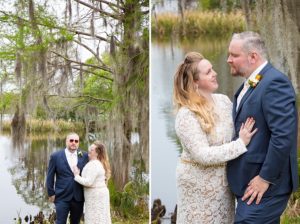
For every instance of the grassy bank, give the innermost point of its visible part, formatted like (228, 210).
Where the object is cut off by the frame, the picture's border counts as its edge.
(128, 206)
(35, 126)
(196, 24)
(40, 218)
(292, 212)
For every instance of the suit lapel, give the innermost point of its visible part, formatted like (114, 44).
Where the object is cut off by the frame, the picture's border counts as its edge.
(234, 111)
(64, 157)
(247, 94)
(79, 160)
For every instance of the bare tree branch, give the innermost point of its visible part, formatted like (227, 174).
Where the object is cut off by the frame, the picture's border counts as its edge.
(88, 34)
(114, 16)
(111, 4)
(56, 27)
(94, 73)
(85, 104)
(90, 50)
(82, 69)
(84, 64)
(81, 96)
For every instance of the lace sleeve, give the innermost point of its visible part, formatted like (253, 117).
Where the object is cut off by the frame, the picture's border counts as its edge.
(195, 141)
(89, 176)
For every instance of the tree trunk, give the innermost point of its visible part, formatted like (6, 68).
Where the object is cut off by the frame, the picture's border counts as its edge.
(181, 9)
(247, 10)
(279, 24)
(18, 126)
(1, 112)
(121, 150)
(223, 4)
(126, 111)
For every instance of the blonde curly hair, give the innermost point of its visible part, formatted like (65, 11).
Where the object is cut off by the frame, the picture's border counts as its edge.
(185, 94)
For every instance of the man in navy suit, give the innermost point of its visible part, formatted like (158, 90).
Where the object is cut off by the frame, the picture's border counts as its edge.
(263, 178)
(66, 193)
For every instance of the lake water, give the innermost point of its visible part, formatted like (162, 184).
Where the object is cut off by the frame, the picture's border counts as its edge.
(23, 175)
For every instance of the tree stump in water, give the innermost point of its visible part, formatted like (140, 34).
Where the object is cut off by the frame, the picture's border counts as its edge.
(174, 216)
(18, 128)
(157, 211)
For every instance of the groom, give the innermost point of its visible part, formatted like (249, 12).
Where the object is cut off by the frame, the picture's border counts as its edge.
(66, 193)
(263, 178)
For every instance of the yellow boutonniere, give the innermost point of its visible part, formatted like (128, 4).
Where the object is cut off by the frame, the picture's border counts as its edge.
(253, 82)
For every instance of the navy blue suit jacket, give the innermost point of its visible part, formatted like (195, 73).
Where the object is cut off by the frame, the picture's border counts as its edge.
(272, 152)
(60, 178)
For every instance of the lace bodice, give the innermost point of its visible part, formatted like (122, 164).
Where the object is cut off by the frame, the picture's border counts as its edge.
(96, 194)
(208, 149)
(93, 175)
(203, 193)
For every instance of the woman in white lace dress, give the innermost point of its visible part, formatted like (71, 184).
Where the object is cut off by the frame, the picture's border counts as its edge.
(205, 128)
(94, 178)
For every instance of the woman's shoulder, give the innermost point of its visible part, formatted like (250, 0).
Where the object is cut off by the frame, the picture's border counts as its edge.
(222, 102)
(98, 163)
(221, 97)
(183, 112)
(92, 163)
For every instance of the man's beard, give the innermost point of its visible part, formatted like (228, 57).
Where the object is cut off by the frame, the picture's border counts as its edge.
(72, 149)
(236, 73)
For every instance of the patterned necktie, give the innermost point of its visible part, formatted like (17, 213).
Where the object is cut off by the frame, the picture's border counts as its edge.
(242, 93)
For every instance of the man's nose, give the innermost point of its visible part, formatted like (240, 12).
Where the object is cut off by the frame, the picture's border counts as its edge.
(229, 60)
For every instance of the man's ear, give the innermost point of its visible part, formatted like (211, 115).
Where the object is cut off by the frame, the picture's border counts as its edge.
(252, 57)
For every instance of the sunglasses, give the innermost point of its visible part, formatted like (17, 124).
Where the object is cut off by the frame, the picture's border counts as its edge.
(74, 140)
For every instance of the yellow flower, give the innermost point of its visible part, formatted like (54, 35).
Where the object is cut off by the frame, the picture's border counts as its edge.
(253, 82)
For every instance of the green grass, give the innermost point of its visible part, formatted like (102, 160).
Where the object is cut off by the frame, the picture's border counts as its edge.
(196, 23)
(36, 126)
(292, 213)
(285, 219)
(115, 220)
(133, 221)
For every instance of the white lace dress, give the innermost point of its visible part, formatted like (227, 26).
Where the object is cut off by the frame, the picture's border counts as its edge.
(203, 195)
(96, 194)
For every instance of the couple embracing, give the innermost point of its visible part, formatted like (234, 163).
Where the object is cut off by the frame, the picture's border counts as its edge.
(76, 179)
(245, 152)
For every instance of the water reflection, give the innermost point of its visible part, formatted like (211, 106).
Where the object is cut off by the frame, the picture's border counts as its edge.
(23, 170)
(23, 173)
(165, 147)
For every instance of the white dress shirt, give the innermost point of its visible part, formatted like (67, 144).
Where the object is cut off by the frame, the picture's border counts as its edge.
(72, 158)
(246, 83)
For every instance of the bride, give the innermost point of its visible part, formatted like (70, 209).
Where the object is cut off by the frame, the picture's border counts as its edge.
(205, 128)
(94, 178)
